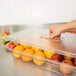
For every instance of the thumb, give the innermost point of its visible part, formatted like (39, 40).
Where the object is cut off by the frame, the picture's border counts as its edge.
(54, 35)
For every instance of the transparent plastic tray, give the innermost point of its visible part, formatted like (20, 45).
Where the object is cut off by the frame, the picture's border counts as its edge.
(39, 38)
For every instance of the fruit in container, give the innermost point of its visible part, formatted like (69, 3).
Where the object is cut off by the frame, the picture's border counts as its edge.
(4, 34)
(25, 46)
(57, 57)
(11, 45)
(27, 57)
(35, 49)
(68, 57)
(6, 45)
(65, 68)
(4, 42)
(75, 61)
(17, 44)
(16, 54)
(48, 54)
(20, 48)
(39, 61)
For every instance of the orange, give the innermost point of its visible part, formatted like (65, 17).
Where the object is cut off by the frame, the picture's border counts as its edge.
(35, 49)
(19, 48)
(48, 54)
(4, 34)
(39, 61)
(16, 55)
(17, 44)
(25, 46)
(26, 57)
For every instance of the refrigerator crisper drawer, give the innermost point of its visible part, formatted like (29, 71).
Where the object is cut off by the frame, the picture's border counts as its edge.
(34, 45)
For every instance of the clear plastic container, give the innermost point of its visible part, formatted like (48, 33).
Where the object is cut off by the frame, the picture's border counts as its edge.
(42, 50)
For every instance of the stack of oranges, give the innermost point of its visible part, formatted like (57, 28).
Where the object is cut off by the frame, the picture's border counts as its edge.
(28, 52)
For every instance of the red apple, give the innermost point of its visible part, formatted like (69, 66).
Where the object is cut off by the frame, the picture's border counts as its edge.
(75, 61)
(11, 45)
(57, 57)
(6, 45)
(66, 69)
(68, 58)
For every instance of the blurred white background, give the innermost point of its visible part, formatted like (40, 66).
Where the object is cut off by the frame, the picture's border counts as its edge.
(37, 12)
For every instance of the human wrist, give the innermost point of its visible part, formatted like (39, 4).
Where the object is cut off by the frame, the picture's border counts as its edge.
(67, 27)
(64, 28)
(70, 25)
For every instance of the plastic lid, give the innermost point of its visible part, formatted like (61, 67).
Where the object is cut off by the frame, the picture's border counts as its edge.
(40, 38)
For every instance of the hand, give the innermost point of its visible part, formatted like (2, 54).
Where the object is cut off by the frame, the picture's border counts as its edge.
(55, 31)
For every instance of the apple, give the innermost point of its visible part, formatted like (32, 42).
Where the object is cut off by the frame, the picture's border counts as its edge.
(66, 69)
(68, 58)
(11, 45)
(57, 57)
(7, 32)
(6, 45)
(75, 61)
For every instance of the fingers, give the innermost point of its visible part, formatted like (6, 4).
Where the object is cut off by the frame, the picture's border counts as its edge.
(52, 35)
(55, 35)
(54, 32)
